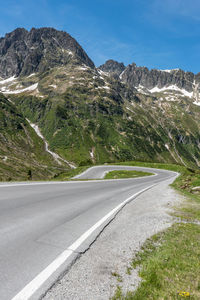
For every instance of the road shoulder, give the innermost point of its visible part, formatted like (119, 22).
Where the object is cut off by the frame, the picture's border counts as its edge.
(97, 273)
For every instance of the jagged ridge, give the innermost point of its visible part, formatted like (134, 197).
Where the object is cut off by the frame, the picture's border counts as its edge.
(24, 52)
(141, 76)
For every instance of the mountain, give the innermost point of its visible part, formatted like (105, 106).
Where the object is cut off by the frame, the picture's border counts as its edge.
(24, 52)
(113, 67)
(142, 77)
(92, 115)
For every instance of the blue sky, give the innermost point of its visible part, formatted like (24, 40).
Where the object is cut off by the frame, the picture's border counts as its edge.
(161, 34)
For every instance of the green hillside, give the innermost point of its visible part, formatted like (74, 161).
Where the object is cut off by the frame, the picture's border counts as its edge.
(101, 120)
(22, 152)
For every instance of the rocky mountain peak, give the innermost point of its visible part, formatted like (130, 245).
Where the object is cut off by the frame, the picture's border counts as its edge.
(24, 52)
(136, 76)
(18, 33)
(112, 66)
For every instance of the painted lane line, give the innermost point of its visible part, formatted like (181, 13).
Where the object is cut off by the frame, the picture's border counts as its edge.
(40, 279)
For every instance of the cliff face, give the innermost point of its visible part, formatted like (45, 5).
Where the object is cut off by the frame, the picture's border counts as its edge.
(141, 76)
(136, 76)
(24, 52)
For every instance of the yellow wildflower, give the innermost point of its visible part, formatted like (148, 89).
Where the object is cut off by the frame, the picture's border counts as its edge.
(184, 294)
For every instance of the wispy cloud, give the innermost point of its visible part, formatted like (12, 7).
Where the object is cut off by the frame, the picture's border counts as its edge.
(110, 48)
(174, 15)
(177, 7)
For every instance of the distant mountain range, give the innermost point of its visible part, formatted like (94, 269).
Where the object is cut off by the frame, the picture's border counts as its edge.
(88, 114)
(142, 77)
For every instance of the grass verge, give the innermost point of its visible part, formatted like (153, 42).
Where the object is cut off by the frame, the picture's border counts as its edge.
(126, 174)
(68, 175)
(188, 184)
(169, 265)
(169, 262)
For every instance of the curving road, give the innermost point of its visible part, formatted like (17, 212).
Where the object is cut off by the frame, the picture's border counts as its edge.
(44, 226)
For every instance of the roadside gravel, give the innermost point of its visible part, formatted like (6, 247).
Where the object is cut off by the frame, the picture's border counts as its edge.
(92, 275)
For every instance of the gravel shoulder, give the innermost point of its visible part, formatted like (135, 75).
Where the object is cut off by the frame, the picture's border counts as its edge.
(92, 275)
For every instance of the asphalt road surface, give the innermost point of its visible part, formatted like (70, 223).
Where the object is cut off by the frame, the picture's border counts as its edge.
(44, 226)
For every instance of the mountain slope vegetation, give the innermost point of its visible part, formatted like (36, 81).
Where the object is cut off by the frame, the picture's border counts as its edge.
(92, 115)
(22, 152)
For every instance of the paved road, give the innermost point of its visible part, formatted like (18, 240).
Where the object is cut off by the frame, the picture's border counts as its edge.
(41, 223)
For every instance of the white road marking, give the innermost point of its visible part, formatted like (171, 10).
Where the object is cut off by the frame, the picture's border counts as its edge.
(38, 281)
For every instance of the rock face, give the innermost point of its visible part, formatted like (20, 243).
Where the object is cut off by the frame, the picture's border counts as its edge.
(24, 52)
(112, 66)
(87, 115)
(135, 76)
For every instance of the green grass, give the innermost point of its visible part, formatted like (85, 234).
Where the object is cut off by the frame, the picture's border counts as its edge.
(70, 173)
(171, 167)
(169, 264)
(125, 174)
(82, 118)
(188, 179)
(169, 261)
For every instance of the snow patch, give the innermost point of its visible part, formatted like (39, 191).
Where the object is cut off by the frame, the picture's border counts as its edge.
(102, 72)
(102, 87)
(10, 101)
(171, 87)
(106, 87)
(120, 76)
(129, 109)
(169, 71)
(30, 88)
(53, 154)
(170, 98)
(3, 89)
(8, 80)
(70, 52)
(142, 89)
(196, 103)
(83, 67)
(53, 86)
(92, 153)
(170, 136)
(33, 74)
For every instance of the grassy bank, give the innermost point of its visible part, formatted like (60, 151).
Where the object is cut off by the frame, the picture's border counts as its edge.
(169, 265)
(126, 174)
(68, 175)
(169, 261)
(187, 184)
